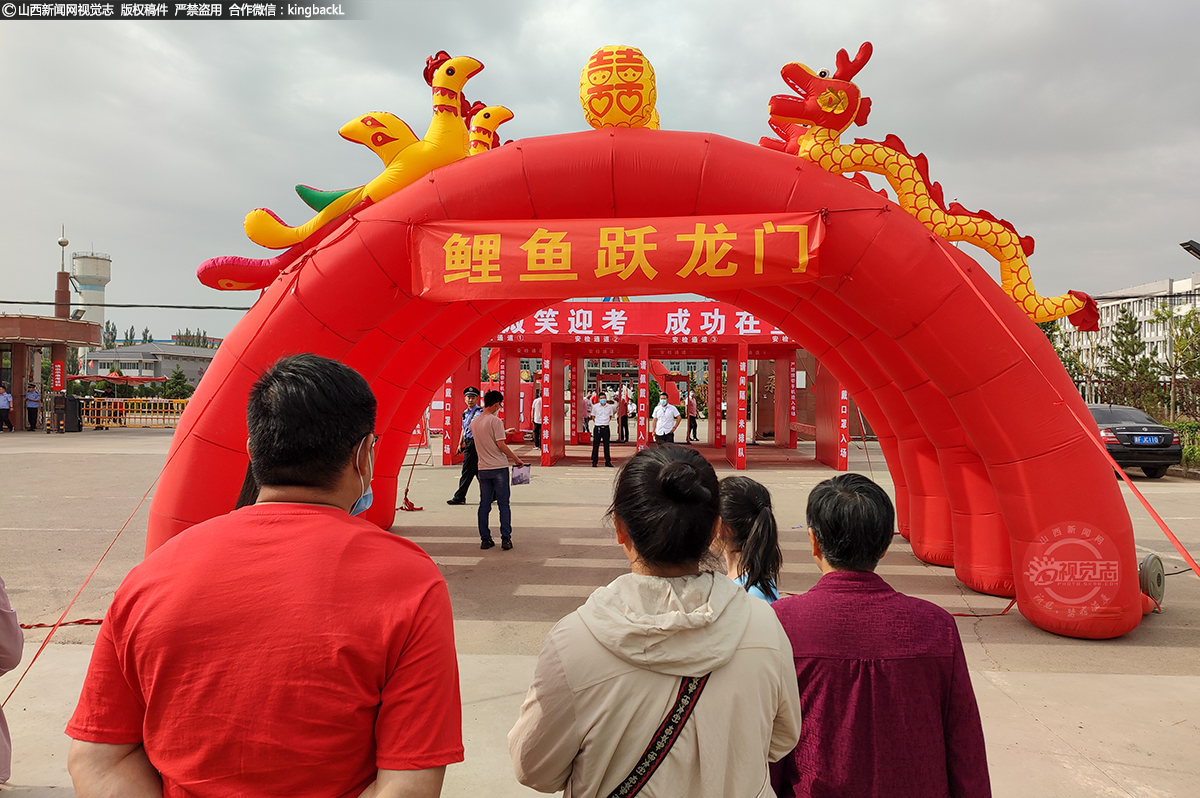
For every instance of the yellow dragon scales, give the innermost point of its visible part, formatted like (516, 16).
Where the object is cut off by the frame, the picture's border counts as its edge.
(825, 105)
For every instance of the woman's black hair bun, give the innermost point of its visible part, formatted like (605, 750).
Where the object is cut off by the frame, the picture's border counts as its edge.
(681, 484)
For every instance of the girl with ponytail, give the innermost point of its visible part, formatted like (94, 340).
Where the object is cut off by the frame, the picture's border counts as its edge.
(748, 538)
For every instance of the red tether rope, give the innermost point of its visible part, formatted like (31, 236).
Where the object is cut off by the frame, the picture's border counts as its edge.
(62, 618)
(1088, 426)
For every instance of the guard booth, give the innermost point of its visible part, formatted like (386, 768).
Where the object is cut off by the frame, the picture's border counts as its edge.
(66, 413)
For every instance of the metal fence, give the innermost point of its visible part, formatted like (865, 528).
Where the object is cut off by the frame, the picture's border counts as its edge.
(159, 413)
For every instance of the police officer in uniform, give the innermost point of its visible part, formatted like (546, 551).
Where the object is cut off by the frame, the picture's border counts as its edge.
(466, 446)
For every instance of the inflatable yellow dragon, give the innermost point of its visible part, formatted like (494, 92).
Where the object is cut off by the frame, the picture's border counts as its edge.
(812, 123)
(406, 158)
(484, 122)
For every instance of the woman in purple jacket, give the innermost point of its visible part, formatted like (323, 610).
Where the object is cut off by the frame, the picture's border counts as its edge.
(888, 707)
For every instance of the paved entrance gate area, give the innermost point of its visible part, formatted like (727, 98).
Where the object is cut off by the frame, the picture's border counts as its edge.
(1062, 717)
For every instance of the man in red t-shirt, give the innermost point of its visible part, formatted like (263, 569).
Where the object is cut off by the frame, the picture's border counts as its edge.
(285, 649)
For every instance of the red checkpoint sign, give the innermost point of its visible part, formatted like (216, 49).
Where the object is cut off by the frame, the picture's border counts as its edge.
(56, 375)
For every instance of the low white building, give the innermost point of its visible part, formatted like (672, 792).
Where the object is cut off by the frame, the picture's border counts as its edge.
(148, 360)
(1141, 301)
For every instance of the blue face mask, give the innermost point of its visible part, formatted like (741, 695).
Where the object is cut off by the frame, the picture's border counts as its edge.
(364, 501)
(363, 504)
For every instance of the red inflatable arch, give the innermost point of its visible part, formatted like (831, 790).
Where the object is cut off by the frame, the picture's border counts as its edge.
(981, 428)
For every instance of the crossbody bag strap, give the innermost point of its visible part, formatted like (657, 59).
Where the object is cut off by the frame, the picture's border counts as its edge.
(664, 738)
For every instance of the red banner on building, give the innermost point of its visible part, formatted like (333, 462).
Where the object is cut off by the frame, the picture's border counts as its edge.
(740, 449)
(447, 421)
(791, 402)
(57, 370)
(545, 258)
(546, 390)
(843, 457)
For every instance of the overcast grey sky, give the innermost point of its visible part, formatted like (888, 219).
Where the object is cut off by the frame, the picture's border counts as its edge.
(1077, 121)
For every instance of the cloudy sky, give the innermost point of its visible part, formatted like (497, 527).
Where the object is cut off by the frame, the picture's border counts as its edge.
(1077, 121)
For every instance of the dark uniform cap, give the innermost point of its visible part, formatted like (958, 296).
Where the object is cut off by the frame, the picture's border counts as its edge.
(472, 391)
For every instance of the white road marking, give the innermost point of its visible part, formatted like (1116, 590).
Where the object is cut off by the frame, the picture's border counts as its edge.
(558, 591)
(440, 560)
(587, 541)
(422, 540)
(50, 529)
(975, 602)
(583, 562)
(1166, 555)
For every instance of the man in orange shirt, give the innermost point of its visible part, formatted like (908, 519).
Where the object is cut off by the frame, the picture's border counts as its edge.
(287, 648)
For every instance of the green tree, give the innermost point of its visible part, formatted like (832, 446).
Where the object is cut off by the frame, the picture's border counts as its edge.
(130, 337)
(1080, 363)
(177, 385)
(1181, 355)
(147, 336)
(198, 338)
(1132, 373)
(700, 391)
(109, 335)
(1062, 346)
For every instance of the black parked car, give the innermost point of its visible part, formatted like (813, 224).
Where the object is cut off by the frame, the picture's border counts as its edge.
(1135, 439)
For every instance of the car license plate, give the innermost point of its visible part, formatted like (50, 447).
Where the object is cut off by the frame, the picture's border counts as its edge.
(1152, 439)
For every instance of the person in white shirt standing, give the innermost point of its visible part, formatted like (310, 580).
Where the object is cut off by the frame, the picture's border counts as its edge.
(6, 402)
(602, 413)
(666, 420)
(537, 420)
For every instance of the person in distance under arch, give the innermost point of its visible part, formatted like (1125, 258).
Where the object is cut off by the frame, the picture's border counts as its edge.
(494, 457)
(889, 710)
(669, 678)
(466, 447)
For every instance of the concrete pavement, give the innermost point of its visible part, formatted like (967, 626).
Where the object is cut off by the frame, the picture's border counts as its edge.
(1062, 717)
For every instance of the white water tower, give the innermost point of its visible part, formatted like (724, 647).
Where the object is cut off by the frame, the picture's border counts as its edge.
(92, 271)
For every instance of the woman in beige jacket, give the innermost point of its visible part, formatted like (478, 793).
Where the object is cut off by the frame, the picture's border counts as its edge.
(610, 672)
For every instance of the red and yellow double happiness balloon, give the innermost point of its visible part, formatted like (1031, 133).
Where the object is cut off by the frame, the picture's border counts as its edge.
(616, 89)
